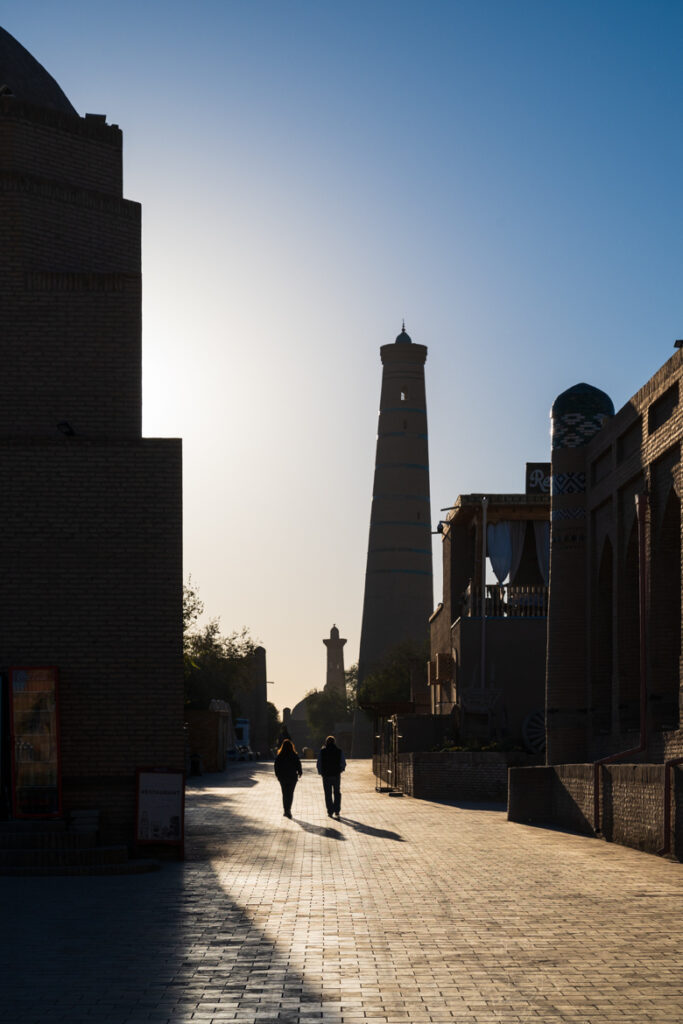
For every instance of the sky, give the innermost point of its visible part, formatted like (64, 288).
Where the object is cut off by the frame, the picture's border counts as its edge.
(504, 175)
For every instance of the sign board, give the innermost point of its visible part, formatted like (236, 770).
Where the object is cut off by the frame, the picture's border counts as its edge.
(34, 731)
(537, 478)
(160, 806)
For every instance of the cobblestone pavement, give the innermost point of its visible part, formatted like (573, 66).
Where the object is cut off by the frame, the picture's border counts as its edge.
(403, 912)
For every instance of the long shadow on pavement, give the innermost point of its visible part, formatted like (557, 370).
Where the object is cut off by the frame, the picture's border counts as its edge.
(164, 948)
(369, 830)
(319, 830)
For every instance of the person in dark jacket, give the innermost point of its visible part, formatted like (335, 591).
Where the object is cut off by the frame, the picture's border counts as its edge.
(331, 763)
(288, 771)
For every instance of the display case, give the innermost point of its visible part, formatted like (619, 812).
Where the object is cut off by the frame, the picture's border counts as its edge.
(34, 730)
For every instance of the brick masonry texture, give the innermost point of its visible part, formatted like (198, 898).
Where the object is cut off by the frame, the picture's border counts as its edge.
(70, 282)
(91, 546)
(92, 557)
(403, 912)
(398, 593)
(451, 775)
(593, 656)
(631, 802)
(592, 688)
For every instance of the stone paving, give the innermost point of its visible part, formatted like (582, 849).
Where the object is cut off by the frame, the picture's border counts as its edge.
(403, 912)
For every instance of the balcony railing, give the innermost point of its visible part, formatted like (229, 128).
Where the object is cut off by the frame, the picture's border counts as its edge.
(506, 601)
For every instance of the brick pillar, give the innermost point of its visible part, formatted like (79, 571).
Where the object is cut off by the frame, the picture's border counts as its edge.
(577, 414)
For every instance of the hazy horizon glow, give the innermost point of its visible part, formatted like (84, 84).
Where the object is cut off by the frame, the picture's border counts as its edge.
(504, 176)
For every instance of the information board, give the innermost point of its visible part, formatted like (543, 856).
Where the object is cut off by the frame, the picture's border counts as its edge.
(160, 806)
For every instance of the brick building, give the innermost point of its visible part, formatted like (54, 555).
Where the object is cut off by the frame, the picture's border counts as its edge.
(613, 686)
(487, 640)
(91, 545)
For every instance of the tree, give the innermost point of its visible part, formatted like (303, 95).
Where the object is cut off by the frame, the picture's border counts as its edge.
(323, 712)
(351, 679)
(216, 666)
(392, 679)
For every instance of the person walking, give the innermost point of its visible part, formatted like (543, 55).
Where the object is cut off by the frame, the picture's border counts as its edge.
(288, 771)
(331, 763)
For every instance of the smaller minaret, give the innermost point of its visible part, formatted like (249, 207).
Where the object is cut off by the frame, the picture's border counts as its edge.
(335, 684)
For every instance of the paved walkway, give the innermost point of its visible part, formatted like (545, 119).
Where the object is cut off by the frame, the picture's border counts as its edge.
(403, 912)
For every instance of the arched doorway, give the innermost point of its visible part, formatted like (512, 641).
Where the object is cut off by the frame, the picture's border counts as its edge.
(665, 617)
(629, 637)
(601, 643)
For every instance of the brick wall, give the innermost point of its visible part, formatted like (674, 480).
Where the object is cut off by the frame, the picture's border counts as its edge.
(631, 802)
(70, 281)
(91, 544)
(677, 811)
(91, 549)
(572, 797)
(593, 703)
(640, 445)
(83, 151)
(451, 775)
(632, 805)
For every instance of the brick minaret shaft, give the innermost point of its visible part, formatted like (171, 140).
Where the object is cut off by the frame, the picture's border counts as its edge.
(577, 415)
(335, 682)
(398, 580)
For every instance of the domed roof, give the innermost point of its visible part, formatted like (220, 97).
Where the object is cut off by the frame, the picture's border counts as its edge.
(585, 399)
(403, 338)
(577, 414)
(22, 76)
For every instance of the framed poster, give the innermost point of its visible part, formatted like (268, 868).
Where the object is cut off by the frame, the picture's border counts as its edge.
(34, 737)
(160, 812)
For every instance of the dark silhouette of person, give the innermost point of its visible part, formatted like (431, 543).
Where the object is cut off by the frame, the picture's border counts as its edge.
(331, 763)
(288, 771)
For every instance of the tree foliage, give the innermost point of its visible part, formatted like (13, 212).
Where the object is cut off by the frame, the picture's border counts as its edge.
(217, 667)
(392, 679)
(351, 678)
(323, 712)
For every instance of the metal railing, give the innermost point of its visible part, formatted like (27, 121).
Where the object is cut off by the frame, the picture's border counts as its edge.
(506, 601)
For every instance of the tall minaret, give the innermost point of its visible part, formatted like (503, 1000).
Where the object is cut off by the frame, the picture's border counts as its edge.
(398, 579)
(335, 684)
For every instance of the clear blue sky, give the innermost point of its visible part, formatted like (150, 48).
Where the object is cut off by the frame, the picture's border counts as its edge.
(505, 175)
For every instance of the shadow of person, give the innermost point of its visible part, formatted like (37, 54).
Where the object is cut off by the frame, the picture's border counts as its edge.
(319, 830)
(368, 830)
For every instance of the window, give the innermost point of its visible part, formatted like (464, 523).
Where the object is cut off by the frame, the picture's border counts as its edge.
(662, 410)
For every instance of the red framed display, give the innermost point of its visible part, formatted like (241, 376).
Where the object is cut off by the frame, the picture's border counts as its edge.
(160, 807)
(34, 737)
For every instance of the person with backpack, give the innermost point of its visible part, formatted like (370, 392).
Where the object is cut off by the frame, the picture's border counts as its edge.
(331, 763)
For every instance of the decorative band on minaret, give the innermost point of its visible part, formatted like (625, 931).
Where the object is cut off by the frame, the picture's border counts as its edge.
(398, 579)
(576, 416)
